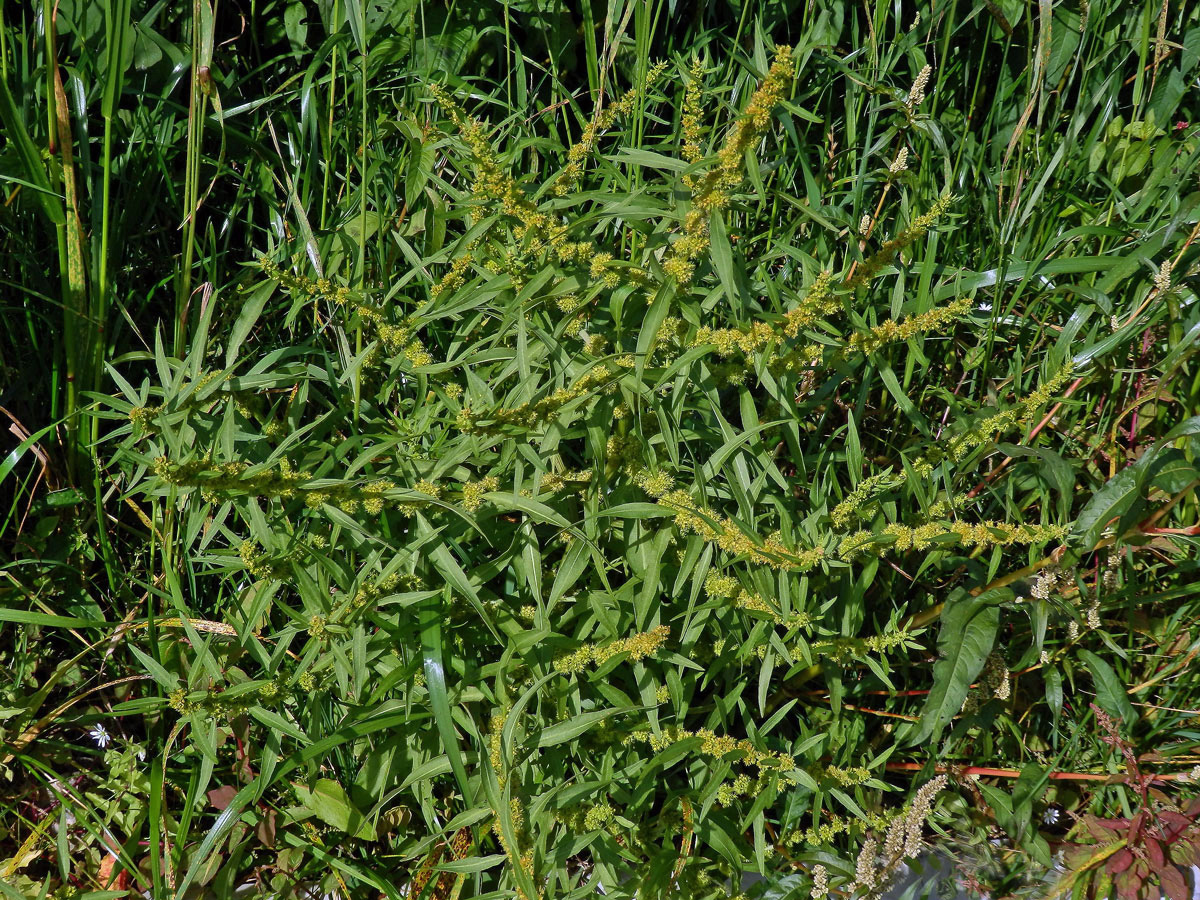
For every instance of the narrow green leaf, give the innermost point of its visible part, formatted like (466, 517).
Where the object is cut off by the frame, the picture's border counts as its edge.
(431, 616)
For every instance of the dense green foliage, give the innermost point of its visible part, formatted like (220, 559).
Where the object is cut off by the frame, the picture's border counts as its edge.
(525, 451)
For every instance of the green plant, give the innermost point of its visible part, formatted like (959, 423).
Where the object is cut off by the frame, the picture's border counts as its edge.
(609, 498)
(900, 386)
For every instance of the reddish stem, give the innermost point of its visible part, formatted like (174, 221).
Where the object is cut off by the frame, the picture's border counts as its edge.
(987, 772)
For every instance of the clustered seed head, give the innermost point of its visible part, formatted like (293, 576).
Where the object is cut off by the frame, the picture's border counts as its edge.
(455, 277)
(904, 839)
(727, 535)
(1110, 577)
(320, 288)
(538, 233)
(996, 677)
(143, 416)
(820, 882)
(726, 587)
(601, 122)
(903, 538)
(866, 871)
(845, 511)
(956, 449)
(638, 646)
(692, 117)
(1018, 414)
(713, 191)
(656, 484)
(1045, 585)
(473, 491)
(844, 650)
(769, 764)
(917, 93)
(851, 777)
(826, 832)
(917, 229)
(1162, 278)
(233, 478)
(535, 412)
(817, 304)
(258, 564)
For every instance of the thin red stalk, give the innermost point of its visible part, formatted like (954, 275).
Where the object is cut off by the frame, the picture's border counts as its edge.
(988, 772)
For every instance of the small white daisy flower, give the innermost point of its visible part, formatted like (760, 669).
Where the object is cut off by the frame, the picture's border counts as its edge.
(100, 735)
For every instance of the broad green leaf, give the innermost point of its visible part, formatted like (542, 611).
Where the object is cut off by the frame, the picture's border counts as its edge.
(965, 638)
(1110, 690)
(330, 803)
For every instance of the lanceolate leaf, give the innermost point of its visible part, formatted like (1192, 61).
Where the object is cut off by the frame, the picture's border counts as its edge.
(1124, 490)
(966, 637)
(432, 613)
(1110, 690)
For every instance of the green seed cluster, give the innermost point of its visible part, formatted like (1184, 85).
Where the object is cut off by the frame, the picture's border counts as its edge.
(726, 587)
(903, 538)
(232, 479)
(237, 479)
(586, 818)
(473, 491)
(1020, 413)
(770, 766)
(892, 332)
(845, 650)
(848, 777)
(638, 646)
(917, 229)
(536, 412)
(603, 120)
(537, 233)
(398, 340)
(260, 565)
(319, 288)
(955, 449)
(713, 191)
(727, 535)
(227, 705)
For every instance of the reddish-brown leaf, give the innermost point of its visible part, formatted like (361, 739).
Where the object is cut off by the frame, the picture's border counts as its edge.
(1120, 861)
(1173, 883)
(1128, 886)
(1155, 853)
(1177, 821)
(265, 830)
(1104, 830)
(1139, 822)
(221, 797)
